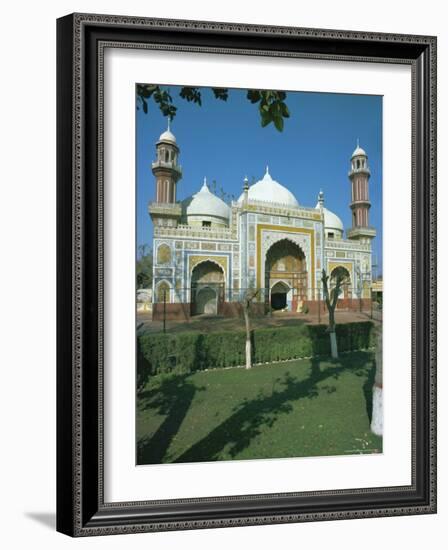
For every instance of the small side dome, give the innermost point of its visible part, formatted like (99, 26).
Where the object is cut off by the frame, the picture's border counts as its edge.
(206, 209)
(269, 190)
(332, 221)
(333, 226)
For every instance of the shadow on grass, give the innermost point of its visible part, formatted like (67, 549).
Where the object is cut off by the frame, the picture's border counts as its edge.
(172, 398)
(174, 395)
(248, 419)
(368, 392)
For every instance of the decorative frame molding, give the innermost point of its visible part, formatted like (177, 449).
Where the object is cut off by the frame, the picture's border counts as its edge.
(81, 39)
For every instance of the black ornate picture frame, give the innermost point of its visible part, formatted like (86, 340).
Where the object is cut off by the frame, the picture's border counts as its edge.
(81, 508)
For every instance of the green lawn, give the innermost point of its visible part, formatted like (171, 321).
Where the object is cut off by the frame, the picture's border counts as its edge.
(299, 408)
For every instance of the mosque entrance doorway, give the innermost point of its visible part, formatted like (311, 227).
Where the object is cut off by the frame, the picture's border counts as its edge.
(207, 288)
(279, 295)
(286, 276)
(207, 301)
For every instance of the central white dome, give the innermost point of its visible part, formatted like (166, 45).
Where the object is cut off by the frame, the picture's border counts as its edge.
(269, 190)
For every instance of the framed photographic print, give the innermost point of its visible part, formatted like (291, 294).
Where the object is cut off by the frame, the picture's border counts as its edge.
(246, 274)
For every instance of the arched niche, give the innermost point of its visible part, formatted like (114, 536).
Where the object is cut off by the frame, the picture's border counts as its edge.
(344, 274)
(163, 291)
(207, 287)
(285, 261)
(163, 254)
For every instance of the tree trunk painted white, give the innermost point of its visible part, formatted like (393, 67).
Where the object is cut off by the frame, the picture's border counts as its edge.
(248, 340)
(377, 411)
(248, 354)
(377, 394)
(334, 345)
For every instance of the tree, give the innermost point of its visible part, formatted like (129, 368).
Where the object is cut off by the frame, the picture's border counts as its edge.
(248, 297)
(144, 266)
(377, 395)
(271, 104)
(339, 276)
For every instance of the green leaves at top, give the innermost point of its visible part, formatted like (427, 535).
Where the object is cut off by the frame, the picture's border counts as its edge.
(253, 96)
(271, 106)
(192, 95)
(221, 93)
(271, 103)
(278, 122)
(160, 96)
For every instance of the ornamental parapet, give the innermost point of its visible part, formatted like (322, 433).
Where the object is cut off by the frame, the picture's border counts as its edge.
(267, 207)
(211, 233)
(346, 245)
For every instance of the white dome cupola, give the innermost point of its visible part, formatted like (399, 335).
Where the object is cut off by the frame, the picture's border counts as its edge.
(167, 136)
(359, 151)
(205, 209)
(333, 226)
(270, 191)
(359, 161)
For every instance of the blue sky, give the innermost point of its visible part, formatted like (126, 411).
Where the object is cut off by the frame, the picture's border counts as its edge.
(224, 141)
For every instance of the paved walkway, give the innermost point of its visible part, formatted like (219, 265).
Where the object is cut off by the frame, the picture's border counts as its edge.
(204, 323)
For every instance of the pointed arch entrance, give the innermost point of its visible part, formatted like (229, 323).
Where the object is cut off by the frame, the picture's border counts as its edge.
(345, 294)
(207, 288)
(286, 275)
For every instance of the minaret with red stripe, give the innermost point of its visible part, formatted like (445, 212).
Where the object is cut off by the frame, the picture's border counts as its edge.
(166, 168)
(359, 175)
(165, 210)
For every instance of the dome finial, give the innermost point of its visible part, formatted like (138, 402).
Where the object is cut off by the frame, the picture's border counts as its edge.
(204, 185)
(357, 142)
(267, 170)
(169, 124)
(320, 198)
(246, 182)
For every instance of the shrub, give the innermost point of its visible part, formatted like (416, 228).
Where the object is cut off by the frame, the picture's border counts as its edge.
(186, 352)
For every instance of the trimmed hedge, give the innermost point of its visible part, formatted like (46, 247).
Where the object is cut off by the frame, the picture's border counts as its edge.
(186, 352)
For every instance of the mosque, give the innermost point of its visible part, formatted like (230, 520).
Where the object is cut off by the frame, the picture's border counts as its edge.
(207, 253)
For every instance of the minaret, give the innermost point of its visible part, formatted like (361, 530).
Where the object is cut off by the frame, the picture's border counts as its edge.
(167, 172)
(166, 168)
(359, 175)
